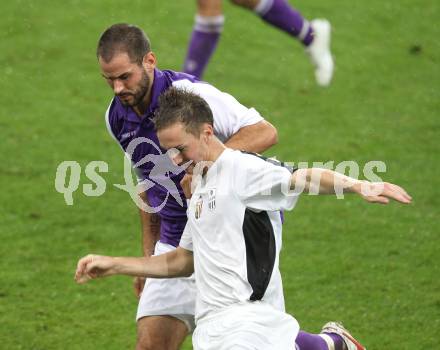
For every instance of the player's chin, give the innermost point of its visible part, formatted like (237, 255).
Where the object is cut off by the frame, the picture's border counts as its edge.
(127, 100)
(126, 103)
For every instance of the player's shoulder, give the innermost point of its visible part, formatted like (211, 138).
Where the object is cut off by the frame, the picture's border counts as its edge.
(244, 159)
(188, 82)
(240, 160)
(114, 116)
(176, 77)
(115, 108)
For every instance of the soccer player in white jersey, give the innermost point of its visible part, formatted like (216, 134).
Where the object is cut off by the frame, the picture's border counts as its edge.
(232, 238)
(165, 313)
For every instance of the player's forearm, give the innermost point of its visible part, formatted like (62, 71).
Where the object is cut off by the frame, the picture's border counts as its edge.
(150, 225)
(169, 265)
(324, 181)
(254, 138)
(150, 231)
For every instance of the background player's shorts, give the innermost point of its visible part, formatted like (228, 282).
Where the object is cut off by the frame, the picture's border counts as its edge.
(250, 325)
(171, 297)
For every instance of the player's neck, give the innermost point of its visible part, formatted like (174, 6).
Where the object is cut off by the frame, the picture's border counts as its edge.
(216, 148)
(142, 107)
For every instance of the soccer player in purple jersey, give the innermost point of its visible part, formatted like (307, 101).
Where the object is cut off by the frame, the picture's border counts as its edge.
(314, 35)
(232, 238)
(166, 307)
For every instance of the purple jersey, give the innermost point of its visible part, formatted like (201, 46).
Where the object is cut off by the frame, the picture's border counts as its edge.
(125, 125)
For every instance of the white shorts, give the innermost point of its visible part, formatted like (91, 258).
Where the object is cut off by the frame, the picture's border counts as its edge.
(246, 326)
(172, 297)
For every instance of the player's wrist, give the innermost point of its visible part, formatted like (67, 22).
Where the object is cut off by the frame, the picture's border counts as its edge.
(118, 266)
(356, 187)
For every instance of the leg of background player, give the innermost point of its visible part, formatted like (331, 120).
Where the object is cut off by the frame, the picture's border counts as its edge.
(209, 24)
(281, 15)
(160, 333)
(315, 36)
(206, 33)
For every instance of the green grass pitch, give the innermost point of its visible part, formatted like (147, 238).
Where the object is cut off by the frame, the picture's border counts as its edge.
(376, 268)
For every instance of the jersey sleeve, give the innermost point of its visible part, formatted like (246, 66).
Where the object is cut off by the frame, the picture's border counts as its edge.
(186, 239)
(111, 123)
(264, 184)
(229, 114)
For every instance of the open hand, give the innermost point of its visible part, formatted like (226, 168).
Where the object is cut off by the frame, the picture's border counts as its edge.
(382, 192)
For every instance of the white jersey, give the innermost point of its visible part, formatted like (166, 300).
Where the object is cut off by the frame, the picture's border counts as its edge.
(229, 115)
(234, 231)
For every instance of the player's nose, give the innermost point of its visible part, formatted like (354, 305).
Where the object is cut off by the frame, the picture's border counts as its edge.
(178, 159)
(175, 156)
(118, 86)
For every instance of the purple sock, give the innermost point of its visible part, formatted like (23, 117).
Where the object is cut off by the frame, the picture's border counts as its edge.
(307, 341)
(337, 340)
(205, 35)
(280, 14)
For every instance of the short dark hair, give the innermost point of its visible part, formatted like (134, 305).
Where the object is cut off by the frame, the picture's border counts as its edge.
(186, 107)
(123, 37)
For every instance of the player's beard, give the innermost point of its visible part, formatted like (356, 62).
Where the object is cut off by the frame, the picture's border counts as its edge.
(140, 92)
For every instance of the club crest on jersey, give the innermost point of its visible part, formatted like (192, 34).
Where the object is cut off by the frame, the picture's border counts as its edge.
(211, 199)
(198, 209)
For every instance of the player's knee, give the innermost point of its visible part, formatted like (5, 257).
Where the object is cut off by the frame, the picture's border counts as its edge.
(237, 2)
(209, 7)
(249, 4)
(158, 333)
(144, 343)
(146, 340)
(155, 343)
(141, 346)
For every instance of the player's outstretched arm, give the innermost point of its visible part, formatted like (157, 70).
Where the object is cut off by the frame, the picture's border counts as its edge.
(254, 138)
(324, 181)
(177, 263)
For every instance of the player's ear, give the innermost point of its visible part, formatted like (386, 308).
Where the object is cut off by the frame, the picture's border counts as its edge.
(149, 61)
(207, 130)
(204, 133)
